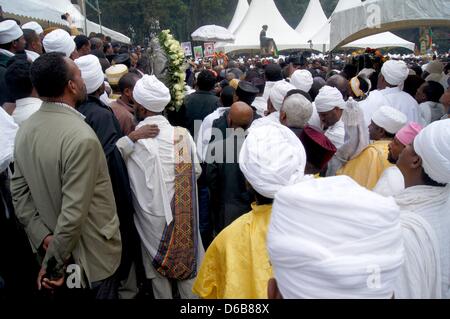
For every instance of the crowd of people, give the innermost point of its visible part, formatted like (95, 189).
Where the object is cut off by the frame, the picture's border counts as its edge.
(286, 178)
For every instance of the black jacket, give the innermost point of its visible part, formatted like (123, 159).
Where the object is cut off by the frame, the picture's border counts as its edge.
(197, 106)
(102, 120)
(229, 195)
(4, 96)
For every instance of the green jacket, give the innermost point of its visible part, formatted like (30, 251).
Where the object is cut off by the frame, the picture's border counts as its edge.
(61, 186)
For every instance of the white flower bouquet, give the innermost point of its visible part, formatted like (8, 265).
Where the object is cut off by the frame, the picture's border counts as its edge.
(177, 75)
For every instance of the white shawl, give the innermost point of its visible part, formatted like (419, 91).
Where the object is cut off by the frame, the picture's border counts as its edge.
(426, 217)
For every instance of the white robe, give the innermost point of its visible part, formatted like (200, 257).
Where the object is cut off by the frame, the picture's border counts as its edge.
(260, 104)
(430, 112)
(393, 97)
(8, 131)
(271, 118)
(426, 226)
(269, 86)
(25, 108)
(31, 55)
(151, 168)
(205, 132)
(391, 182)
(335, 133)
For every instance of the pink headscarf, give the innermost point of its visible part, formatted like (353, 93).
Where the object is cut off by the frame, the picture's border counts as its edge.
(408, 133)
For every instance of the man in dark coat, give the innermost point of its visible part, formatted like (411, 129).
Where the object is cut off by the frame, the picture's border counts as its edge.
(230, 197)
(12, 42)
(200, 104)
(246, 93)
(102, 120)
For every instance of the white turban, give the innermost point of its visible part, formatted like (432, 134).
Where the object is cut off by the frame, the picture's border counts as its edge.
(395, 72)
(151, 93)
(59, 41)
(433, 146)
(91, 72)
(390, 119)
(331, 238)
(33, 25)
(328, 99)
(272, 157)
(302, 80)
(9, 31)
(278, 93)
(115, 72)
(435, 67)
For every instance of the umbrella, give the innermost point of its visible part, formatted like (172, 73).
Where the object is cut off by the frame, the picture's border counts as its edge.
(212, 33)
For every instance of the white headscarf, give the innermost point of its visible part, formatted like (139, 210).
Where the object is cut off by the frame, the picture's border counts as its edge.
(433, 146)
(395, 72)
(59, 41)
(328, 99)
(151, 93)
(9, 31)
(331, 238)
(91, 72)
(278, 93)
(302, 80)
(390, 119)
(33, 25)
(271, 157)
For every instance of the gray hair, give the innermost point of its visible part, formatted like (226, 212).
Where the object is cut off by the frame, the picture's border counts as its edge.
(298, 111)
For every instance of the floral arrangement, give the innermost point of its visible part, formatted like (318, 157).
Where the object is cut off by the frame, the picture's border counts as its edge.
(220, 58)
(177, 75)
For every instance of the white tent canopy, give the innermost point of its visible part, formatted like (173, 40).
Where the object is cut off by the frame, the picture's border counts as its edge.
(313, 17)
(212, 33)
(381, 40)
(239, 14)
(51, 10)
(322, 39)
(36, 9)
(66, 6)
(263, 12)
(351, 24)
(346, 4)
(116, 36)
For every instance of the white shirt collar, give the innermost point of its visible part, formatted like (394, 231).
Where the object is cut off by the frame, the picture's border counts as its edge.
(392, 90)
(27, 101)
(7, 53)
(32, 55)
(68, 107)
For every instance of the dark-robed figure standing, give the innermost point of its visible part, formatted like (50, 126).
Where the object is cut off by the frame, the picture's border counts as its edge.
(104, 123)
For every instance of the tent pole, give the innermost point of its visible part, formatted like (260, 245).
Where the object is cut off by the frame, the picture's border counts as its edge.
(330, 59)
(83, 8)
(99, 17)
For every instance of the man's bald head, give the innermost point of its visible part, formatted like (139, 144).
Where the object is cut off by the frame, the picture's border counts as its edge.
(341, 83)
(240, 116)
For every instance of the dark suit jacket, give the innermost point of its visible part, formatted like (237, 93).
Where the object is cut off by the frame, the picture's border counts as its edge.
(197, 106)
(229, 195)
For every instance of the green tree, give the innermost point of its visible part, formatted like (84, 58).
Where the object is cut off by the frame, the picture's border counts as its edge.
(182, 17)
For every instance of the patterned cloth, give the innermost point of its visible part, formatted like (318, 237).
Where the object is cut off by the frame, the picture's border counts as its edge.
(177, 253)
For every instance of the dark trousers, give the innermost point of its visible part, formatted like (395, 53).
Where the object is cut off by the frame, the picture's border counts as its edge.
(18, 266)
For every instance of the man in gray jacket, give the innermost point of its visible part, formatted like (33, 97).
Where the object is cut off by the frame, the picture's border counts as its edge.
(61, 187)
